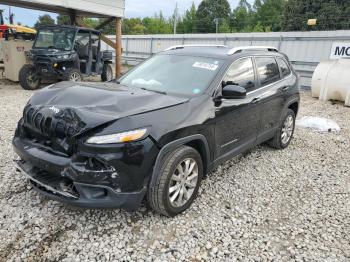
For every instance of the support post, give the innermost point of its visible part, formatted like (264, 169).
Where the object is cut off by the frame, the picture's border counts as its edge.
(73, 17)
(151, 47)
(280, 43)
(127, 46)
(118, 48)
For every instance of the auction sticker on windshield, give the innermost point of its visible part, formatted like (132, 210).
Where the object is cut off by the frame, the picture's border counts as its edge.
(207, 66)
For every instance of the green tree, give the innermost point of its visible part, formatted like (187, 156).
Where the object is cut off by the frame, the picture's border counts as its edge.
(44, 20)
(263, 16)
(108, 29)
(91, 22)
(257, 5)
(330, 15)
(269, 13)
(242, 17)
(133, 26)
(208, 11)
(157, 25)
(245, 4)
(189, 20)
(224, 27)
(63, 20)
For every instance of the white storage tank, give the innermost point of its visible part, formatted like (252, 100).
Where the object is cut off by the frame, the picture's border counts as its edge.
(14, 57)
(331, 81)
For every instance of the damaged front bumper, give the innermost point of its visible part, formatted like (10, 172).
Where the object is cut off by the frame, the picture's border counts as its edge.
(110, 177)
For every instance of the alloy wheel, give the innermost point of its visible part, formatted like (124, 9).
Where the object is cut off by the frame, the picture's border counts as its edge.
(183, 182)
(109, 74)
(287, 129)
(32, 79)
(75, 77)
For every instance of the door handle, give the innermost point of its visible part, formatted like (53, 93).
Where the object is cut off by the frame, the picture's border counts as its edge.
(285, 88)
(255, 101)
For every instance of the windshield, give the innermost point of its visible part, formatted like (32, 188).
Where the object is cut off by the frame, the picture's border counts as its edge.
(55, 38)
(177, 74)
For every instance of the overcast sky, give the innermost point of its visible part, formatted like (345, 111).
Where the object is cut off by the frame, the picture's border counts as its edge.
(134, 8)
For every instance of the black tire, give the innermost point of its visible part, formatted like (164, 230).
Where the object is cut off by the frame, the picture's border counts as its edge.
(107, 73)
(158, 195)
(28, 78)
(277, 141)
(72, 74)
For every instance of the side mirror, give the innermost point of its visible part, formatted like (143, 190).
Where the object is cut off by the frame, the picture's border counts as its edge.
(234, 92)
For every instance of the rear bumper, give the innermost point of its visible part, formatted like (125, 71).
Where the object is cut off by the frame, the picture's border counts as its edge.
(79, 194)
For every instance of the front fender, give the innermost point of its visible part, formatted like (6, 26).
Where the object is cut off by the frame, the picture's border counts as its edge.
(174, 144)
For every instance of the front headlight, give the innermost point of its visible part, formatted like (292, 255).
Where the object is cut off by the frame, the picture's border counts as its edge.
(118, 138)
(63, 56)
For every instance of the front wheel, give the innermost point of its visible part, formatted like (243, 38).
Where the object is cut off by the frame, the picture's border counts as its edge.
(178, 182)
(284, 134)
(72, 74)
(107, 73)
(28, 78)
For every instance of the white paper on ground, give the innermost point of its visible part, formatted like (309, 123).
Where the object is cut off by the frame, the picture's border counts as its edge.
(318, 123)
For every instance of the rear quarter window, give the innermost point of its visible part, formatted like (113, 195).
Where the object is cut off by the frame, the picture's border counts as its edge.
(285, 69)
(268, 70)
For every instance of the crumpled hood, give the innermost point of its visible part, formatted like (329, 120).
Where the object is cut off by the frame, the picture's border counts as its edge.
(88, 105)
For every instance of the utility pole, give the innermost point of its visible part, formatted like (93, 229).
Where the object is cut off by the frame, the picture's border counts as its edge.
(216, 21)
(10, 16)
(175, 18)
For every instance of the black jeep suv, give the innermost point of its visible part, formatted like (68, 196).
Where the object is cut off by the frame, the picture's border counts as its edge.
(156, 131)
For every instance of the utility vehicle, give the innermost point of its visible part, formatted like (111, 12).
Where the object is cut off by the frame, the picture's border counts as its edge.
(65, 53)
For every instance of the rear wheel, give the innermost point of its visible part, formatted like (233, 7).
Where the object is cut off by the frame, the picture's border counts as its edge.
(28, 78)
(107, 73)
(178, 182)
(72, 74)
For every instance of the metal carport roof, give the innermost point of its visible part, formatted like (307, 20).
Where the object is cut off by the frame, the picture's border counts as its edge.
(92, 8)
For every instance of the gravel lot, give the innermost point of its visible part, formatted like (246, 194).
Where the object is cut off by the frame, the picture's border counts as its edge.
(263, 205)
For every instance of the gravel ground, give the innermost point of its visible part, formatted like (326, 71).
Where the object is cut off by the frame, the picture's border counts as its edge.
(263, 205)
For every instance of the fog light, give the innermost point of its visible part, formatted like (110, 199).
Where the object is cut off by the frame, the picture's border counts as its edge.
(55, 65)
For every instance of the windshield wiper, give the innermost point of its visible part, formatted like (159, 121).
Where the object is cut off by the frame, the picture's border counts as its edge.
(155, 91)
(53, 47)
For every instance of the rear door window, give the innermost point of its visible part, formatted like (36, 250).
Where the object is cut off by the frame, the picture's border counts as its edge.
(268, 70)
(285, 70)
(241, 73)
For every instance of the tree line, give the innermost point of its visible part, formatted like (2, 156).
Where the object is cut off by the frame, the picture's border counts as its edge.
(217, 16)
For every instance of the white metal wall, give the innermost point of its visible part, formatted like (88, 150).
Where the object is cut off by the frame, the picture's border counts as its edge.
(305, 49)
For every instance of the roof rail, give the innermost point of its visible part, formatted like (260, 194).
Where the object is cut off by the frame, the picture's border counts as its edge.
(198, 45)
(252, 48)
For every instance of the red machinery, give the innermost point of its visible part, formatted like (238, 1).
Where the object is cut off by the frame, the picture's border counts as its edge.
(15, 31)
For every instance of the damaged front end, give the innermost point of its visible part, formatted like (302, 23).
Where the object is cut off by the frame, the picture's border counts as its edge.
(54, 156)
